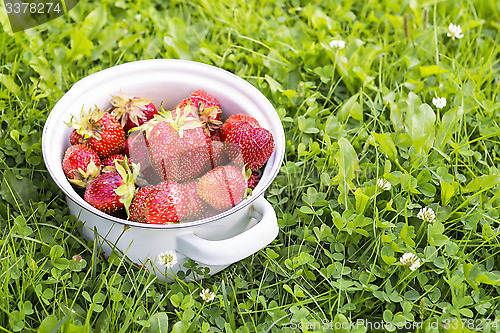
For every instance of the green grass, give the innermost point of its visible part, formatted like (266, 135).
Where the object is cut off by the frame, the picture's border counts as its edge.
(351, 116)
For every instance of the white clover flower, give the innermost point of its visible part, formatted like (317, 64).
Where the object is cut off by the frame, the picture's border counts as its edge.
(383, 184)
(168, 259)
(410, 260)
(337, 44)
(427, 214)
(454, 31)
(207, 295)
(439, 102)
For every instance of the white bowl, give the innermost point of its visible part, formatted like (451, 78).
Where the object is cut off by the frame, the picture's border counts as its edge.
(215, 242)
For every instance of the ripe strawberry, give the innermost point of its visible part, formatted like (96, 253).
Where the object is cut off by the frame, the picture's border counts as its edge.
(196, 206)
(81, 165)
(110, 161)
(136, 148)
(222, 187)
(74, 137)
(234, 120)
(216, 135)
(205, 107)
(137, 151)
(109, 164)
(112, 191)
(136, 208)
(178, 148)
(132, 111)
(100, 131)
(165, 204)
(256, 144)
(218, 155)
(254, 178)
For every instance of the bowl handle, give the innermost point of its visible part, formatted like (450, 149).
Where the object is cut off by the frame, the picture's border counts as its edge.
(231, 250)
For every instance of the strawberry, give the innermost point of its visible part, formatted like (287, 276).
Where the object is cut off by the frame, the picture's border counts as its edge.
(136, 208)
(216, 135)
(100, 131)
(166, 203)
(132, 111)
(74, 137)
(218, 155)
(179, 148)
(112, 191)
(234, 120)
(222, 187)
(81, 165)
(253, 179)
(110, 161)
(205, 107)
(197, 206)
(256, 144)
(136, 149)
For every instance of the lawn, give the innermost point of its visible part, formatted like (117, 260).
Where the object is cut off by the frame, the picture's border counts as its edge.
(388, 200)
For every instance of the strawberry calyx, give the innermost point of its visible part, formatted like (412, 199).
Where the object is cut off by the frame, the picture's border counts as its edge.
(183, 119)
(208, 116)
(82, 177)
(112, 168)
(126, 191)
(126, 107)
(148, 126)
(89, 126)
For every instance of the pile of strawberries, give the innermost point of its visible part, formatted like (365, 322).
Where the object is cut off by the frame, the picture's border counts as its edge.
(150, 166)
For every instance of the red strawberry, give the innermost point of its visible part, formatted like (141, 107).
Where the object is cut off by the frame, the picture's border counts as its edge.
(132, 111)
(256, 144)
(222, 187)
(179, 149)
(136, 149)
(112, 191)
(81, 165)
(109, 164)
(100, 131)
(196, 206)
(254, 178)
(206, 109)
(74, 137)
(218, 155)
(216, 135)
(234, 120)
(165, 204)
(110, 161)
(136, 208)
